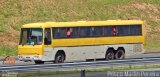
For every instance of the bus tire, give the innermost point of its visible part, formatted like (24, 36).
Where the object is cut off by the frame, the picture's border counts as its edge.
(120, 54)
(109, 54)
(39, 62)
(59, 58)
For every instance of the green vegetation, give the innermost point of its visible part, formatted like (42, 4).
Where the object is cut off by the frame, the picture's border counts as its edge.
(46, 73)
(7, 50)
(14, 13)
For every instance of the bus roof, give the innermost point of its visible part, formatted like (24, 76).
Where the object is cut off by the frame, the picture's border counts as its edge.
(82, 23)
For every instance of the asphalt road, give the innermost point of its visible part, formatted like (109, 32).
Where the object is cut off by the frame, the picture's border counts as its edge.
(146, 55)
(95, 74)
(104, 74)
(134, 56)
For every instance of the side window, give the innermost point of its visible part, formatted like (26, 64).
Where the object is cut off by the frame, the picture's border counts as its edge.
(74, 32)
(84, 32)
(47, 38)
(65, 32)
(59, 32)
(135, 30)
(123, 30)
(96, 31)
(107, 30)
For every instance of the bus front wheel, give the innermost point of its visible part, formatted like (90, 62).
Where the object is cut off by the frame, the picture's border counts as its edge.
(109, 55)
(59, 58)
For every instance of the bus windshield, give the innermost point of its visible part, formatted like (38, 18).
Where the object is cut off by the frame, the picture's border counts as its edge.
(31, 36)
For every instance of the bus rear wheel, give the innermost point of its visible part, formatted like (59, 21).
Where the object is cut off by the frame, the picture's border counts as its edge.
(39, 62)
(109, 55)
(59, 58)
(120, 54)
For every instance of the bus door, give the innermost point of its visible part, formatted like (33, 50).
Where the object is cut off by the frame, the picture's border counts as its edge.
(47, 44)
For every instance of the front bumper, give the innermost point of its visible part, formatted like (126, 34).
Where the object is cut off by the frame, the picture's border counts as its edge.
(29, 57)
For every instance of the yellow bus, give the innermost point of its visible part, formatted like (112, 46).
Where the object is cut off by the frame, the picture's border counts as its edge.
(80, 41)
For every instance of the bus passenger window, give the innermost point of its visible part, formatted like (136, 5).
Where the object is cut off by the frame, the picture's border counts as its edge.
(135, 29)
(59, 32)
(97, 31)
(74, 32)
(68, 33)
(47, 39)
(107, 30)
(123, 30)
(84, 32)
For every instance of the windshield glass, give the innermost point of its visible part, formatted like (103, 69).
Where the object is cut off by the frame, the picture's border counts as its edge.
(31, 36)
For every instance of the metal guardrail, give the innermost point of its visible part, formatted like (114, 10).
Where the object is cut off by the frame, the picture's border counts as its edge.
(79, 65)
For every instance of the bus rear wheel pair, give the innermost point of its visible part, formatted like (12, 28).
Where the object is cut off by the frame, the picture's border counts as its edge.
(118, 55)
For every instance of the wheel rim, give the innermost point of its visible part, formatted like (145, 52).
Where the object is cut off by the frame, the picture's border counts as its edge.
(120, 54)
(59, 58)
(109, 56)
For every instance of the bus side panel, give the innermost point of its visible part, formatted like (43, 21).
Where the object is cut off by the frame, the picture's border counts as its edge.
(49, 54)
(81, 53)
(134, 51)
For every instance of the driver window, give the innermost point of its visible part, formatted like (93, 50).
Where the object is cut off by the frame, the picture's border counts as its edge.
(47, 38)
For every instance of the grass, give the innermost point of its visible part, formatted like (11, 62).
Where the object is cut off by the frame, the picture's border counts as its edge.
(8, 50)
(14, 13)
(89, 71)
(153, 45)
(150, 1)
